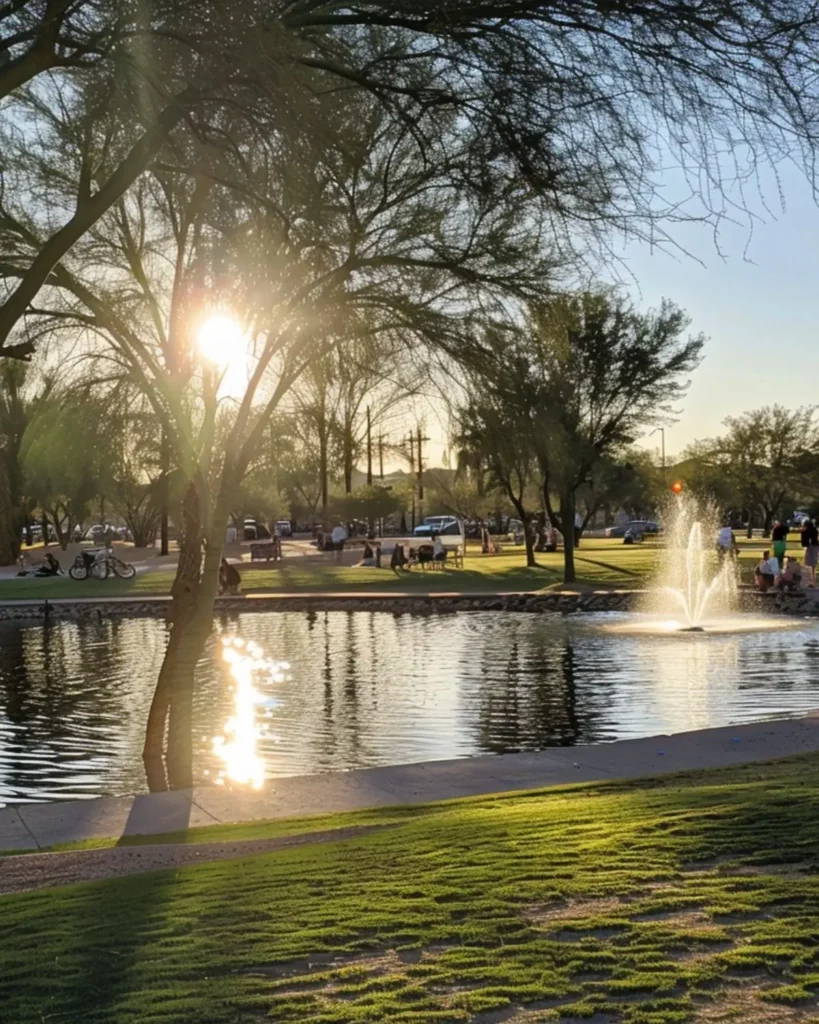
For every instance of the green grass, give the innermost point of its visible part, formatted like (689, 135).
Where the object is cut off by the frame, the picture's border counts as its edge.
(600, 562)
(652, 902)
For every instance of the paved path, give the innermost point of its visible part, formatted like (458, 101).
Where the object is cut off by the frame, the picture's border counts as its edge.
(49, 870)
(33, 826)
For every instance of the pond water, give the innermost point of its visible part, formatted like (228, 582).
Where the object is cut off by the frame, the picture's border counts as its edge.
(365, 689)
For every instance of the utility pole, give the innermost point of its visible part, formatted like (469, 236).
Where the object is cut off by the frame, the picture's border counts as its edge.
(420, 475)
(381, 456)
(369, 450)
(412, 471)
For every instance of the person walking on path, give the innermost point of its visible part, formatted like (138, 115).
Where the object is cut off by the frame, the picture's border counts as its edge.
(810, 542)
(779, 537)
(339, 536)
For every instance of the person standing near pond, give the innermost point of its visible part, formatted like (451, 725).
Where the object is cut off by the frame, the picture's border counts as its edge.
(810, 542)
(779, 537)
(339, 536)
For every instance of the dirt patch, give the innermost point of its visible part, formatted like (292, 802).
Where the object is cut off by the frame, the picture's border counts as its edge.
(574, 910)
(796, 870)
(694, 919)
(365, 967)
(745, 1006)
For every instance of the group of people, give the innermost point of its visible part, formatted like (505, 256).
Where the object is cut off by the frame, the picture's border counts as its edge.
(425, 553)
(777, 570)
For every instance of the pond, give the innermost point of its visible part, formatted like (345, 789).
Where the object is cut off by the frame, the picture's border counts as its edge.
(365, 689)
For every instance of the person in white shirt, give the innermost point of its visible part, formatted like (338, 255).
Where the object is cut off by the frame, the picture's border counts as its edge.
(578, 528)
(726, 543)
(338, 536)
(438, 549)
(766, 572)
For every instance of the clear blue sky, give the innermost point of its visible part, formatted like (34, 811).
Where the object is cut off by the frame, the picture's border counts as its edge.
(759, 309)
(756, 299)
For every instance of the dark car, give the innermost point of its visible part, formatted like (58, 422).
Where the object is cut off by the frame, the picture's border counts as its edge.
(637, 527)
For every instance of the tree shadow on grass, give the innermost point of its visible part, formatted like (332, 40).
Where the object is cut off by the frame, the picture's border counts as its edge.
(79, 952)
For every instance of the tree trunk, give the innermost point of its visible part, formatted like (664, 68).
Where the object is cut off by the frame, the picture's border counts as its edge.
(9, 520)
(348, 461)
(44, 527)
(567, 518)
(766, 526)
(526, 519)
(164, 501)
(531, 561)
(191, 618)
(323, 476)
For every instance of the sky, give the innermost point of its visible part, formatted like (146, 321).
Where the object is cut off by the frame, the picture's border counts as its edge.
(758, 308)
(753, 292)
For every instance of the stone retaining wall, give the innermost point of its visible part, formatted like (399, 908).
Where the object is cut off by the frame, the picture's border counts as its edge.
(803, 604)
(412, 604)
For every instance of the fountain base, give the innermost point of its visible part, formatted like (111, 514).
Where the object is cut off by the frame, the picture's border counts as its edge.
(691, 629)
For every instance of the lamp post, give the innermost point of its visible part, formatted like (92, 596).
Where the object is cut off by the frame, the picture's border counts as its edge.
(662, 458)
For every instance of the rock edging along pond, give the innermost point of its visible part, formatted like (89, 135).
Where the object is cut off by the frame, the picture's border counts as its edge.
(418, 604)
(805, 603)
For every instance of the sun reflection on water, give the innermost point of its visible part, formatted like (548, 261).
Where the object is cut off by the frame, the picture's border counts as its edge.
(237, 748)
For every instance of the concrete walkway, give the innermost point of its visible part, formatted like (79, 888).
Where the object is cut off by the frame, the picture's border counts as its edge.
(33, 826)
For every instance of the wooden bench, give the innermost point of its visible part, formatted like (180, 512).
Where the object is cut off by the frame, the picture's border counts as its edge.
(264, 551)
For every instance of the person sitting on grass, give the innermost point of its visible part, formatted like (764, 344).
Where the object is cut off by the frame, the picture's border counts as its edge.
(791, 577)
(230, 580)
(368, 558)
(766, 572)
(398, 560)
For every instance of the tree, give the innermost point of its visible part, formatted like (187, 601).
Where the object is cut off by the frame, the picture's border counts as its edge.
(418, 265)
(572, 387)
(18, 403)
(62, 456)
(765, 455)
(370, 504)
(601, 373)
(628, 479)
(575, 99)
(495, 427)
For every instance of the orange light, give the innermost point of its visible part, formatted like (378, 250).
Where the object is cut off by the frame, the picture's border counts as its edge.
(677, 487)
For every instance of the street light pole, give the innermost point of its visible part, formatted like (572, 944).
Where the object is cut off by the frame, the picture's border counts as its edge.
(662, 433)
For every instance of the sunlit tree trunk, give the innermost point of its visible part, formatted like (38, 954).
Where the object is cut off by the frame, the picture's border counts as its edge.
(170, 765)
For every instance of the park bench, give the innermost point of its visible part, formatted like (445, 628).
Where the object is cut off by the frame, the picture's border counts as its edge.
(263, 551)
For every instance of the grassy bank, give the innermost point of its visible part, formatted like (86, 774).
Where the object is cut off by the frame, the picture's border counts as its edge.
(696, 898)
(600, 563)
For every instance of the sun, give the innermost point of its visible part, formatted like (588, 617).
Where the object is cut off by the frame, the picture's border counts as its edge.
(221, 340)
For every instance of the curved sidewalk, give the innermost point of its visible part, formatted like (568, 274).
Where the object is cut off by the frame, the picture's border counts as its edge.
(37, 826)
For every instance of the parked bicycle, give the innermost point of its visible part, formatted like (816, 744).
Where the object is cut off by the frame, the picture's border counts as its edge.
(99, 564)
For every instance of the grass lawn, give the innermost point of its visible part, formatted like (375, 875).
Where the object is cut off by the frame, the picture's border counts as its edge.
(694, 898)
(600, 562)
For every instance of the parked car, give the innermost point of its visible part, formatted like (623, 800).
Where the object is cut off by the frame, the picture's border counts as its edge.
(448, 525)
(285, 527)
(637, 527)
(252, 529)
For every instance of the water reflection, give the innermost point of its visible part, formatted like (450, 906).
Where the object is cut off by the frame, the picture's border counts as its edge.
(368, 689)
(238, 748)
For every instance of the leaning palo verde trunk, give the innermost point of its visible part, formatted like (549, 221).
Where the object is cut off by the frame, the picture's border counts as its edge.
(191, 619)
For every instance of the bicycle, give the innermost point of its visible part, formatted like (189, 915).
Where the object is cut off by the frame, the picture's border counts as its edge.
(99, 564)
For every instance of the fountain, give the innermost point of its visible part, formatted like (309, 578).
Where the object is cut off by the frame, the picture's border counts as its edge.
(702, 587)
(692, 584)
